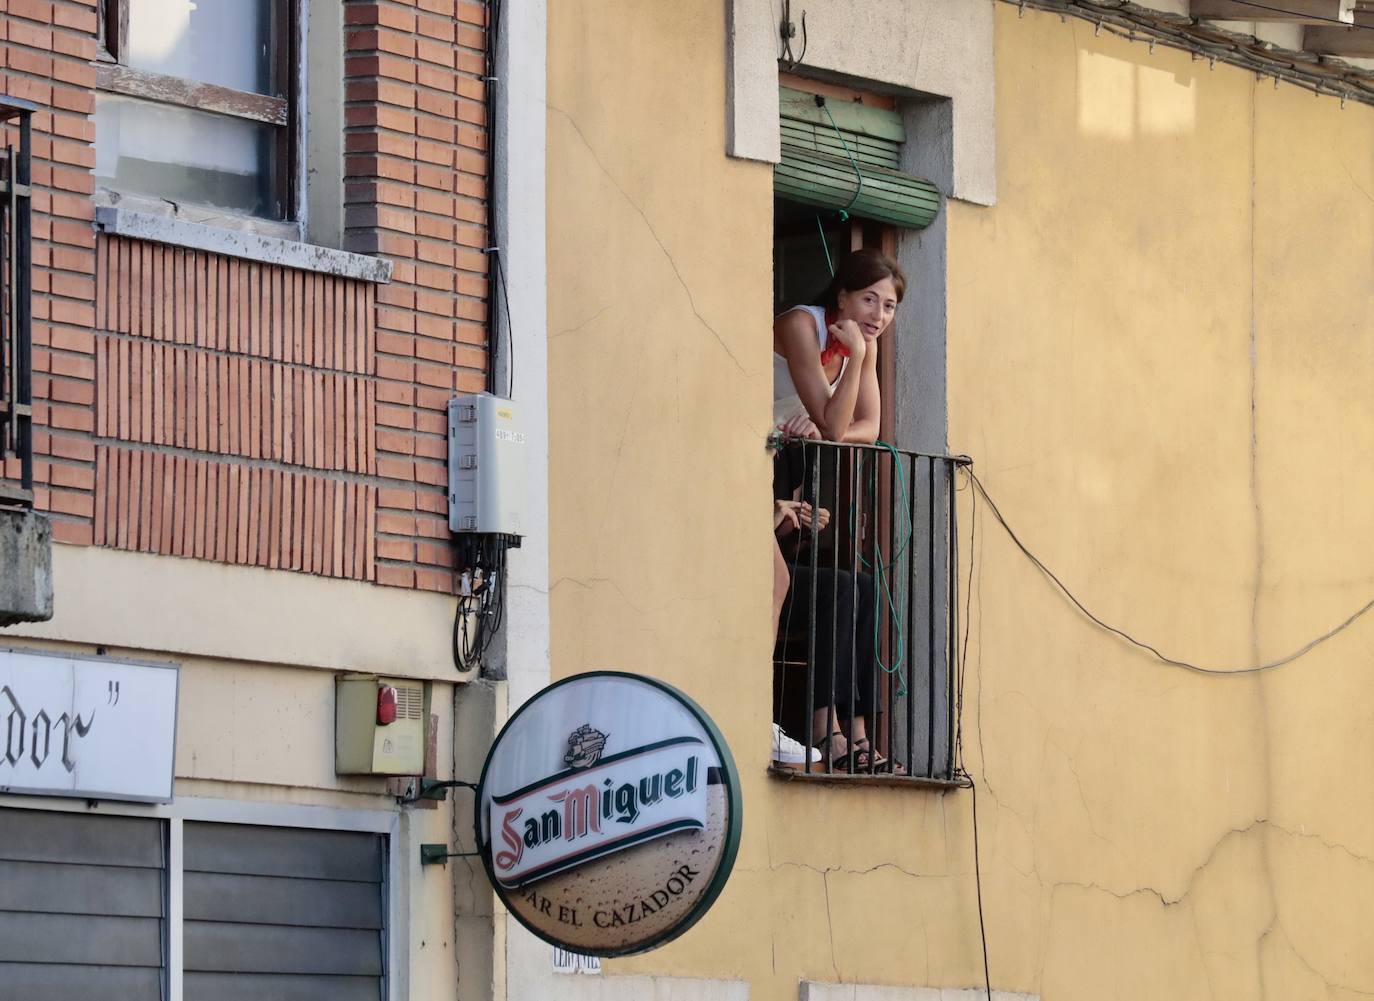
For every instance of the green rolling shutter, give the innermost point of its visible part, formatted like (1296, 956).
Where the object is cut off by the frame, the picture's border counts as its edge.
(816, 170)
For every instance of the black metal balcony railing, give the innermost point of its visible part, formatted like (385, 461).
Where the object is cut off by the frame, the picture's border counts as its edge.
(16, 306)
(867, 641)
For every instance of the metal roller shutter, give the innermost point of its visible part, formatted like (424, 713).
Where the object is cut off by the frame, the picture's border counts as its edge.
(816, 167)
(82, 907)
(282, 913)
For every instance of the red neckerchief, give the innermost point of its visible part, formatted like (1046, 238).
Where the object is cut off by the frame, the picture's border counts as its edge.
(833, 349)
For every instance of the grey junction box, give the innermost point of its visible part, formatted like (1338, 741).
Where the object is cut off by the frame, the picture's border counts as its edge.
(486, 466)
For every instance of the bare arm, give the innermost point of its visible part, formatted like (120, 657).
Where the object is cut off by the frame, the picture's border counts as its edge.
(834, 413)
(863, 428)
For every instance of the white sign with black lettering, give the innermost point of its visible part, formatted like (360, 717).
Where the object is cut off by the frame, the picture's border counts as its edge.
(574, 962)
(88, 727)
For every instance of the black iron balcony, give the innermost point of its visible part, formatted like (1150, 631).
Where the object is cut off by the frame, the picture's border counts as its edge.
(867, 643)
(16, 307)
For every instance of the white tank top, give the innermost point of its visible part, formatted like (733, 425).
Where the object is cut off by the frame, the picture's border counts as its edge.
(786, 401)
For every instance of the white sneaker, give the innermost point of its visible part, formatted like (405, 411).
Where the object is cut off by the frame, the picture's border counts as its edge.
(788, 753)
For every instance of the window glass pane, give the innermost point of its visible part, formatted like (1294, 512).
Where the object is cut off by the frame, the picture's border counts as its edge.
(183, 155)
(224, 42)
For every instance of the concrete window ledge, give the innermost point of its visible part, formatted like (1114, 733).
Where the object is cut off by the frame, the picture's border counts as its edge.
(240, 243)
(872, 992)
(578, 987)
(26, 556)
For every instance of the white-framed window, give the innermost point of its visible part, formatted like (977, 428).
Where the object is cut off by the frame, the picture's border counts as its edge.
(213, 900)
(198, 105)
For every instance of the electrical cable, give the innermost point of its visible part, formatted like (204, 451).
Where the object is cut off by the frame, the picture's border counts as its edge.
(978, 882)
(510, 330)
(495, 282)
(1306, 648)
(885, 572)
(844, 212)
(481, 559)
(825, 246)
(1309, 71)
(482, 596)
(489, 81)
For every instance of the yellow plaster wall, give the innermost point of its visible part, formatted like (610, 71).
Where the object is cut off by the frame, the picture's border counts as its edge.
(1159, 354)
(1157, 357)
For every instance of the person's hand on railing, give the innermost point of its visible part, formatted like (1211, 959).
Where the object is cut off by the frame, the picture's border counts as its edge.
(785, 513)
(790, 515)
(822, 516)
(800, 426)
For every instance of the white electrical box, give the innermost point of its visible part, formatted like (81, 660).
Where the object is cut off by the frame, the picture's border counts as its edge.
(486, 466)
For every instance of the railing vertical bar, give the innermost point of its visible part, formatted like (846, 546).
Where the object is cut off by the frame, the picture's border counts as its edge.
(23, 334)
(911, 632)
(811, 472)
(878, 574)
(12, 286)
(830, 720)
(856, 504)
(930, 620)
(953, 598)
(6, 295)
(890, 605)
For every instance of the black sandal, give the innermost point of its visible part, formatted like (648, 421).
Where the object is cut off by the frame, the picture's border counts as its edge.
(864, 750)
(839, 762)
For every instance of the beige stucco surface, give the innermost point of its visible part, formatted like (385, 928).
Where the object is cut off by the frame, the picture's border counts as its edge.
(1158, 358)
(258, 651)
(203, 609)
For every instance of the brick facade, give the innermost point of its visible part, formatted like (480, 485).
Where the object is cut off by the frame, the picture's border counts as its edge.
(198, 405)
(267, 369)
(45, 52)
(415, 159)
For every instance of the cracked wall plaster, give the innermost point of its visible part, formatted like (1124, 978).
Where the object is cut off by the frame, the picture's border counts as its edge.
(1135, 365)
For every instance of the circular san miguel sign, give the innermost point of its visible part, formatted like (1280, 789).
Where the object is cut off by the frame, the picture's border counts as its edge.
(608, 814)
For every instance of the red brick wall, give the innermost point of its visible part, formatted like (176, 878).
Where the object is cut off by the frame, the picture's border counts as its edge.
(45, 52)
(415, 148)
(245, 395)
(203, 406)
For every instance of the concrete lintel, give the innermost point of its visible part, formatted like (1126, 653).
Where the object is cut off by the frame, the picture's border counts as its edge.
(26, 556)
(237, 243)
(937, 49)
(751, 73)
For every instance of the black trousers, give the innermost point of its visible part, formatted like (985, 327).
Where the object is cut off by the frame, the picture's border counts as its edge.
(843, 628)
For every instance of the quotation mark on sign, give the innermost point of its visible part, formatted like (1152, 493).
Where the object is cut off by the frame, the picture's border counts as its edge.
(112, 693)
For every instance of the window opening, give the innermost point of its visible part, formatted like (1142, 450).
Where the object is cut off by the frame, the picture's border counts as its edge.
(866, 627)
(196, 102)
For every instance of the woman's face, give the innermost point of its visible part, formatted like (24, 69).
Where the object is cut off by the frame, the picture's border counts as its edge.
(871, 308)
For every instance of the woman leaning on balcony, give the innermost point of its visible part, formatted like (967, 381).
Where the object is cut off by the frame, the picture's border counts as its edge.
(825, 387)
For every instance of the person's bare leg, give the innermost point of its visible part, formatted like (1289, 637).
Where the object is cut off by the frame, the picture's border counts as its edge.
(858, 731)
(781, 581)
(825, 726)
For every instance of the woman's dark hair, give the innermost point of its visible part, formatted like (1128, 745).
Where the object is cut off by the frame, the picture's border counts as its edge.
(858, 271)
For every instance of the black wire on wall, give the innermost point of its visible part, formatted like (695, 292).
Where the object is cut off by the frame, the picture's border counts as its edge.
(481, 558)
(1133, 22)
(496, 280)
